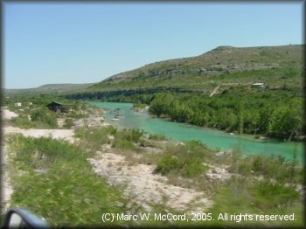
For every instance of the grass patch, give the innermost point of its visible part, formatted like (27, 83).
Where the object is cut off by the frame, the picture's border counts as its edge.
(132, 135)
(68, 191)
(22, 121)
(245, 196)
(93, 139)
(159, 137)
(272, 167)
(185, 160)
(68, 123)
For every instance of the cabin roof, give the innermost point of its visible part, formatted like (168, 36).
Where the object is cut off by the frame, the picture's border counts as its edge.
(257, 84)
(57, 103)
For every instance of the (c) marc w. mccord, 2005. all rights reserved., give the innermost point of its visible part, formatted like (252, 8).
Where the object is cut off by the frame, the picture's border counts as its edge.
(115, 217)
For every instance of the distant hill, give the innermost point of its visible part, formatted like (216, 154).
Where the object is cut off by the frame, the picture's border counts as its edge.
(49, 88)
(224, 65)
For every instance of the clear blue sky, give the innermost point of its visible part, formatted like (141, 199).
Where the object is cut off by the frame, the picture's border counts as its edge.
(46, 43)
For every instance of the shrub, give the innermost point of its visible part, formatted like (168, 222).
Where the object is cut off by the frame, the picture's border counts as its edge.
(124, 144)
(193, 167)
(186, 165)
(273, 195)
(270, 167)
(262, 197)
(43, 117)
(21, 121)
(93, 139)
(157, 137)
(68, 123)
(186, 160)
(134, 134)
(166, 164)
(41, 152)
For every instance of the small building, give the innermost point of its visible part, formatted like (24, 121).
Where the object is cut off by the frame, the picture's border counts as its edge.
(17, 104)
(56, 106)
(258, 85)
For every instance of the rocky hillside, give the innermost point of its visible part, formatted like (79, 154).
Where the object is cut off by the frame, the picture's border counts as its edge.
(222, 65)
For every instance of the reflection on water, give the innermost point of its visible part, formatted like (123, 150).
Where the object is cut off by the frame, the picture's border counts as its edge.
(184, 132)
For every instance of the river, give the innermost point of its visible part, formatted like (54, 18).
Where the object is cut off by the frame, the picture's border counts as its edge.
(214, 139)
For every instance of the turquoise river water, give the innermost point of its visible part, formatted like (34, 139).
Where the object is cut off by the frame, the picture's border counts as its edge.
(214, 139)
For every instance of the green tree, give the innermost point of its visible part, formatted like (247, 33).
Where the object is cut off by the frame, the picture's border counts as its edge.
(241, 116)
(266, 119)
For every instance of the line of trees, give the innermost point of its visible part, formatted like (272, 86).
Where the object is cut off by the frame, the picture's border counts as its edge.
(277, 117)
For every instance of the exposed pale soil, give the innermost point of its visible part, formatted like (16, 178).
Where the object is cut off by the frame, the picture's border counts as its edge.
(65, 134)
(145, 187)
(7, 114)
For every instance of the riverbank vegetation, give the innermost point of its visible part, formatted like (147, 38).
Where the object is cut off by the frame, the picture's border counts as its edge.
(275, 115)
(54, 179)
(261, 112)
